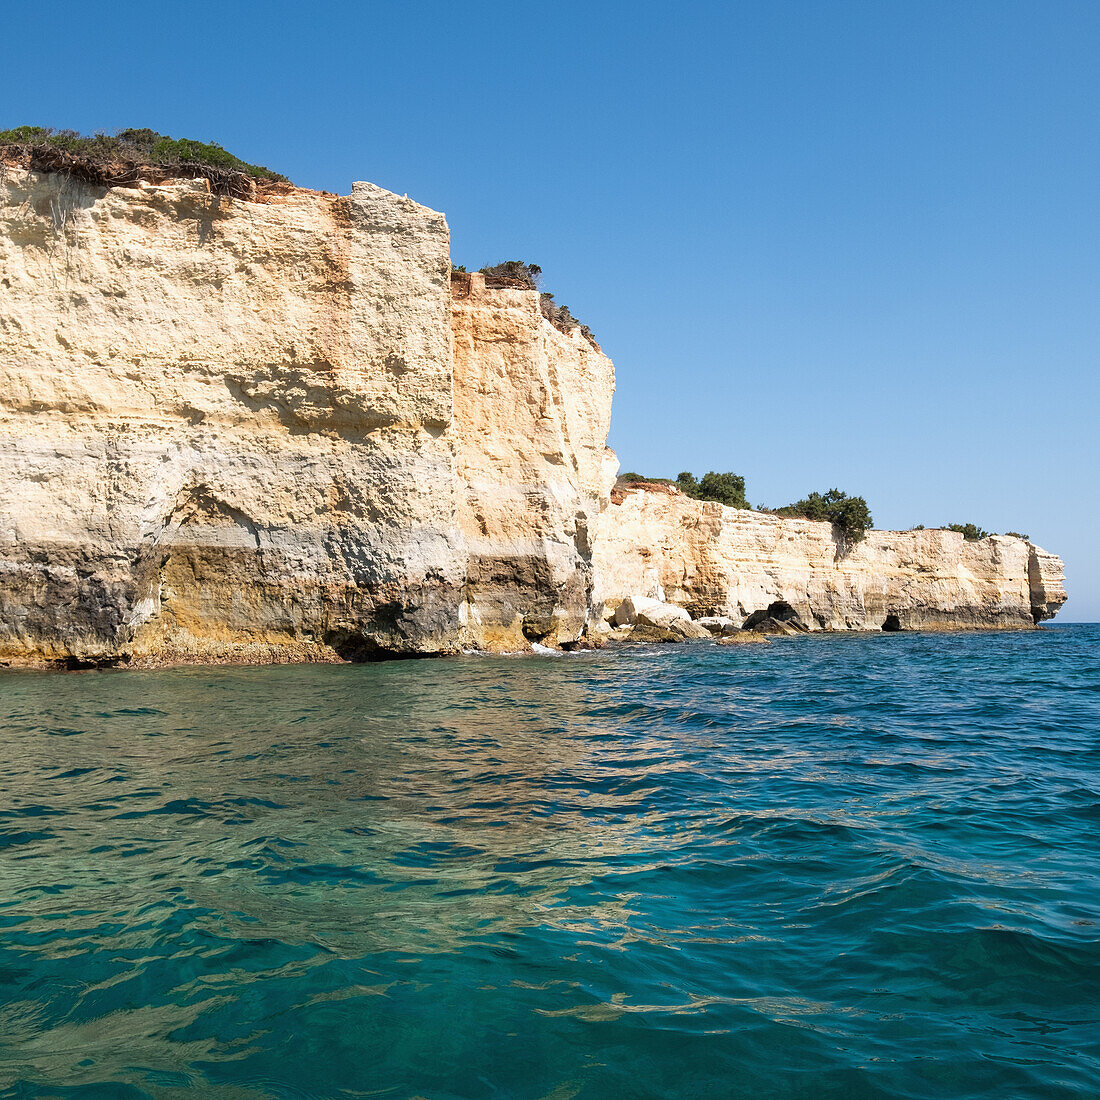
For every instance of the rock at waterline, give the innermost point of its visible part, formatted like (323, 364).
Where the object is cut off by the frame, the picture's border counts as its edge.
(718, 624)
(643, 611)
(774, 626)
(686, 628)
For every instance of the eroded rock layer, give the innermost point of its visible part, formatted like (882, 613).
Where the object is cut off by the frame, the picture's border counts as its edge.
(715, 560)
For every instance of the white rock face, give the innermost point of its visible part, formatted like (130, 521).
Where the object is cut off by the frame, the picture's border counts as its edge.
(662, 615)
(626, 614)
(715, 560)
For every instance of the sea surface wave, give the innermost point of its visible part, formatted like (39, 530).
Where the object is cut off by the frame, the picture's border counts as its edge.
(855, 866)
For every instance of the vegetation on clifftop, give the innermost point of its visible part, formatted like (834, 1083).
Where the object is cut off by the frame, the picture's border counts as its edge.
(969, 531)
(973, 533)
(122, 158)
(850, 514)
(727, 488)
(518, 271)
(525, 276)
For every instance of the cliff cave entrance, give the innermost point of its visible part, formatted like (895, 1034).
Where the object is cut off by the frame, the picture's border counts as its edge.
(780, 611)
(892, 623)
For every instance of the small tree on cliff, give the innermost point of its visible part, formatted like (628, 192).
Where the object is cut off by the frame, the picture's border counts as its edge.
(969, 531)
(727, 488)
(850, 514)
(528, 274)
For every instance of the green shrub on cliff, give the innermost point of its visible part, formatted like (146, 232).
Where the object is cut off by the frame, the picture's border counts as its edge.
(850, 514)
(520, 273)
(969, 531)
(727, 488)
(140, 146)
(112, 160)
(562, 319)
(630, 475)
(973, 533)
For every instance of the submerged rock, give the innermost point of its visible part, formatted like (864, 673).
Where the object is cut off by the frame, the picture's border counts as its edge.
(744, 637)
(645, 632)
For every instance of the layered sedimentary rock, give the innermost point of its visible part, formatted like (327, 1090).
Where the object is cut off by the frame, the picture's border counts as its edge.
(715, 560)
(532, 410)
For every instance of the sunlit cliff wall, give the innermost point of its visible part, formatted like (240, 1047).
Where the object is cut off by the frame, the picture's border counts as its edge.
(229, 430)
(273, 429)
(224, 425)
(716, 560)
(532, 410)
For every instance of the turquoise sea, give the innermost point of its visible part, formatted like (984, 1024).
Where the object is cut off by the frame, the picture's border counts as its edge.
(847, 866)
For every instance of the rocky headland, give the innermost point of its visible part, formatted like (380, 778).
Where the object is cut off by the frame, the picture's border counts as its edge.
(272, 425)
(757, 570)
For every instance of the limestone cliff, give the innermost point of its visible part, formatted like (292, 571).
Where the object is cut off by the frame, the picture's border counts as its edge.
(272, 428)
(227, 432)
(532, 410)
(224, 423)
(715, 560)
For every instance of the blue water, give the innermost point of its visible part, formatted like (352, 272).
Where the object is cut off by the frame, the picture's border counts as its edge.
(825, 867)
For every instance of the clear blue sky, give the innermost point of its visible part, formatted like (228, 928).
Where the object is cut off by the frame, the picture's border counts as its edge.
(831, 242)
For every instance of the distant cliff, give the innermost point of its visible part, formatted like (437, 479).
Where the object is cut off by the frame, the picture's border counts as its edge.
(271, 428)
(733, 562)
